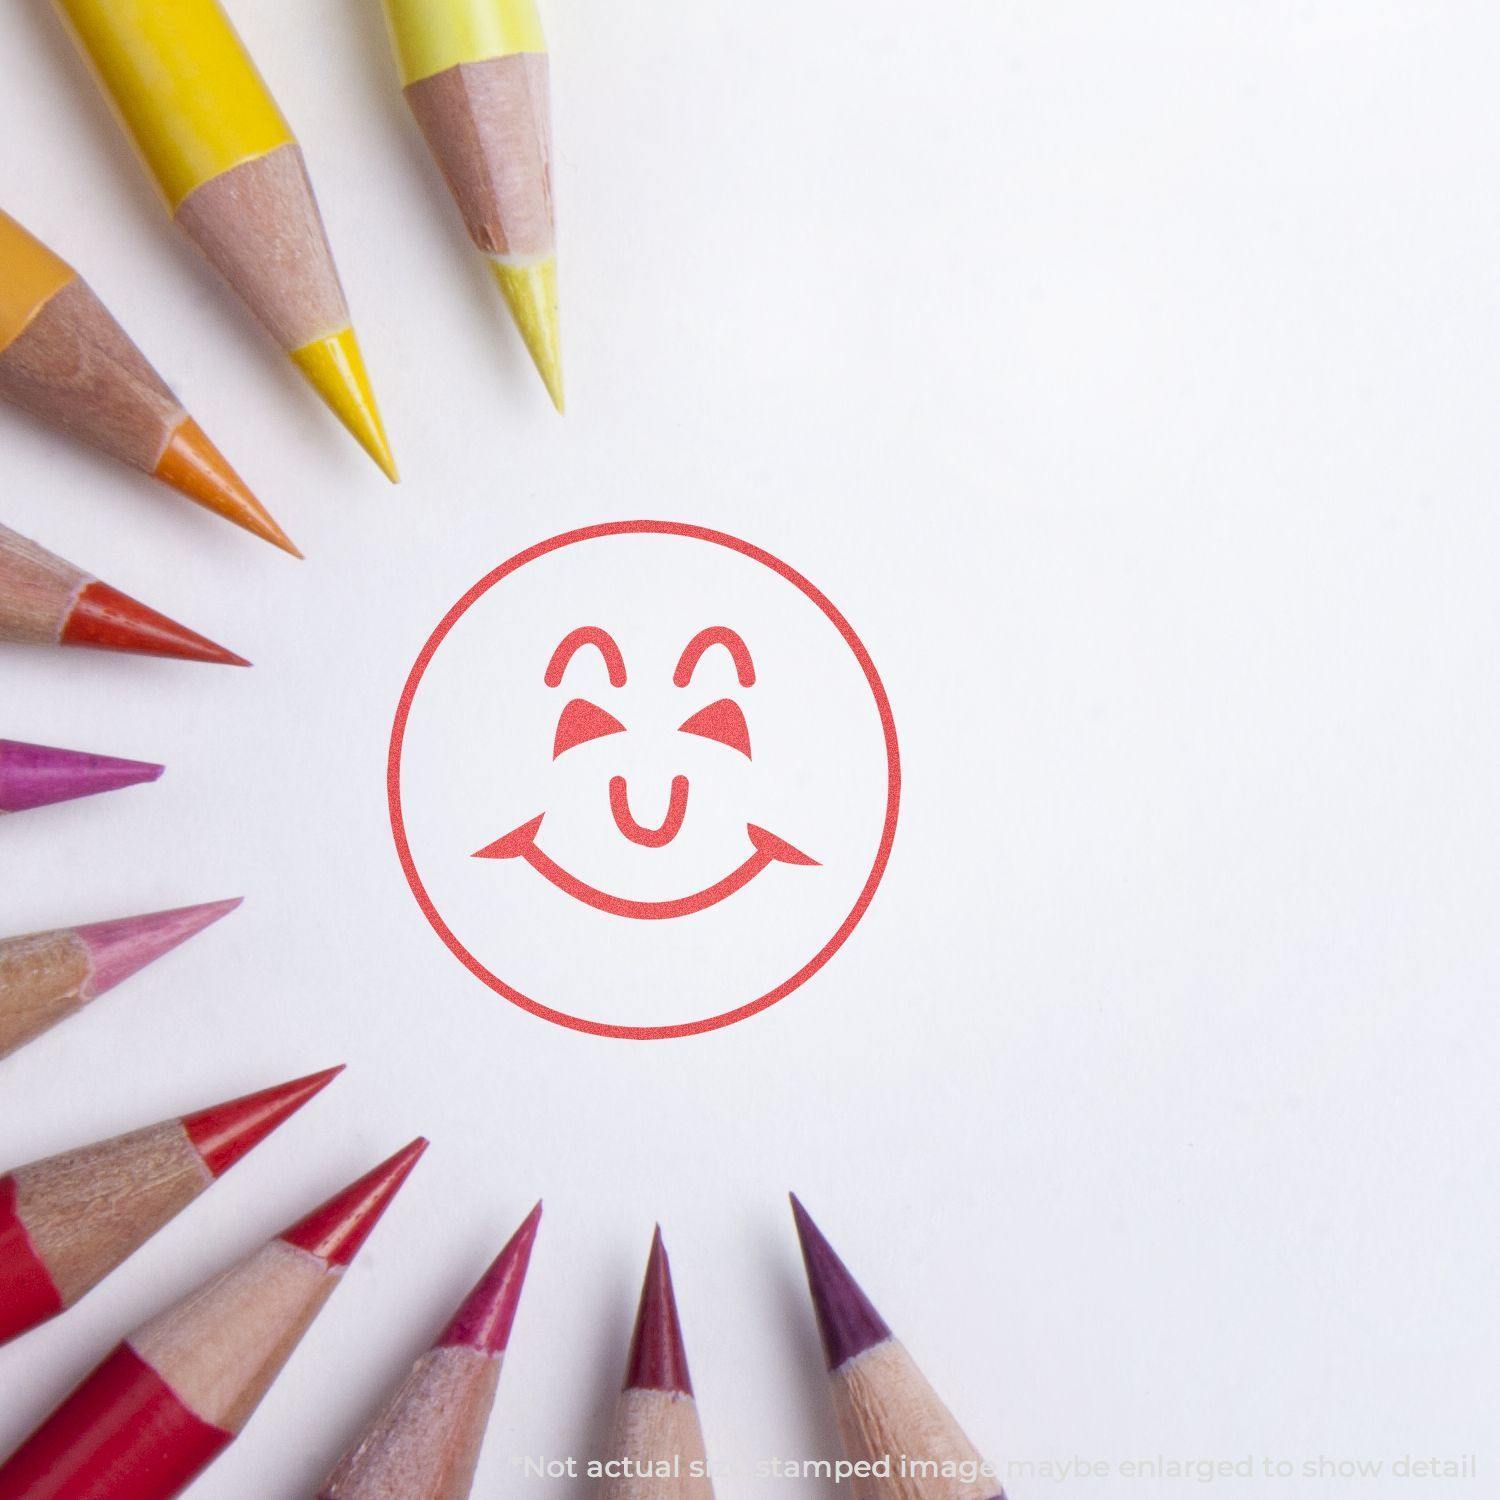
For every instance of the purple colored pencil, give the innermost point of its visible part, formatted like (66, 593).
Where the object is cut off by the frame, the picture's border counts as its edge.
(889, 1417)
(38, 775)
(47, 976)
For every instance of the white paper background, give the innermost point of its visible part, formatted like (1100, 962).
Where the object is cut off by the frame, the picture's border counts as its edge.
(1127, 374)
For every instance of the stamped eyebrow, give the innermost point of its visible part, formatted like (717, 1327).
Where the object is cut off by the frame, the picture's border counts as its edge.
(574, 641)
(715, 635)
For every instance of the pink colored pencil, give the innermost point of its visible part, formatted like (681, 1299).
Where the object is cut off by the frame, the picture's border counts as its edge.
(425, 1444)
(68, 1221)
(180, 1389)
(47, 976)
(37, 775)
(890, 1418)
(656, 1451)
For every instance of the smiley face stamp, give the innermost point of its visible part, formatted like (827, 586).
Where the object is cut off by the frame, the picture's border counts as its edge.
(644, 779)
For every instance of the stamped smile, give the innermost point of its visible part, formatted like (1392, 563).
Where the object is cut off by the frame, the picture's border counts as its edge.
(767, 849)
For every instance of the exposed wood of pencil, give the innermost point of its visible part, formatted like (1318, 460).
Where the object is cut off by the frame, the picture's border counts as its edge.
(656, 1449)
(425, 1445)
(45, 601)
(47, 976)
(258, 224)
(175, 1393)
(488, 125)
(887, 1412)
(68, 1221)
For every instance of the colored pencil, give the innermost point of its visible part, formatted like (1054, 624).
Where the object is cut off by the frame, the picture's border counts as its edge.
(425, 1444)
(38, 775)
(66, 361)
(232, 174)
(47, 976)
(887, 1412)
(45, 601)
(475, 75)
(68, 1221)
(656, 1451)
(180, 1389)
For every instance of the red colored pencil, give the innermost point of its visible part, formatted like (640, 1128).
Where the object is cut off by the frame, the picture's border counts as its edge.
(68, 1221)
(180, 1389)
(656, 1451)
(890, 1418)
(425, 1444)
(45, 601)
(47, 976)
(39, 775)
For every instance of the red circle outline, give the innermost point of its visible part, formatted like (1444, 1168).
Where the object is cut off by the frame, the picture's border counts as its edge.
(887, 724)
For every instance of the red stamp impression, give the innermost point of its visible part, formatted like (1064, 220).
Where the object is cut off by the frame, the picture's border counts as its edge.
(644, 779)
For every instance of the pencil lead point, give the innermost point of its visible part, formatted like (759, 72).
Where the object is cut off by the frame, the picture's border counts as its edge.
(40, 775)
(194, 467)
(107, 620)
(336, 370)
(224, 1133)
(120, 948)
(530, 292)
(485, 1318)
(847, 1319)
(336, 1230)
(658, 1356)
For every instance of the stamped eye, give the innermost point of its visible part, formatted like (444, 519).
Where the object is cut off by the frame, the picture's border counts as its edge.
(580, 722)
(723, 721)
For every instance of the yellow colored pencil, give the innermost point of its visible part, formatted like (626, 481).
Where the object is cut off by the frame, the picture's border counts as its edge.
(233, 177)
(475, 75)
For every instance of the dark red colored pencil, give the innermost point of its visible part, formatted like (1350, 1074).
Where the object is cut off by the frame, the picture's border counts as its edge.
(890, 1418)
(425, 1444)
(68, 1221)
(180, 1389)
(656, 1450)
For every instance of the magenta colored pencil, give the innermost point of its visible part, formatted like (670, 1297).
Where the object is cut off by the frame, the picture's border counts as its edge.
(37, 775)
(889, 1417)
(427, 1440)
(47, 976)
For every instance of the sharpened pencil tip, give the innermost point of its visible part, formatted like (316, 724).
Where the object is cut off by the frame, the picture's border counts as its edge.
(224, 1133)
(195, 468)
(335, 1230)
(488, 1313)
(530, 292)
(40, 775)
(335, 368)
(847, 1319)
(120, 948)
(105, 619)
(658, 1356)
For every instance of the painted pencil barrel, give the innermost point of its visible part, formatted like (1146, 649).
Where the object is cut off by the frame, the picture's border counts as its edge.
(30, 277)
(431, 36)
(28, 1294)
(122, 1435)
(183, 84)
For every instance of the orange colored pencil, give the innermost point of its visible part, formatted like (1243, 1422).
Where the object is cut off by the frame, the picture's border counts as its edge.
(180, 1389)
(66, 361)
(68, 1221)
